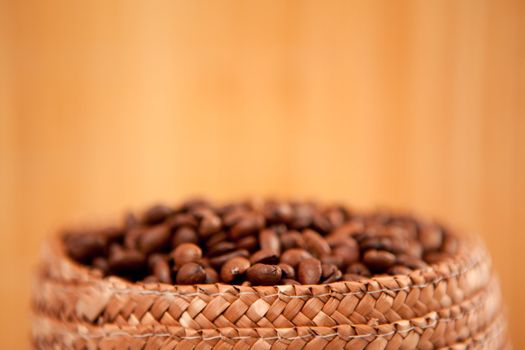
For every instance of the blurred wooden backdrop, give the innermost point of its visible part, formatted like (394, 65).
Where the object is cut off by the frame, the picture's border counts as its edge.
(409, 104)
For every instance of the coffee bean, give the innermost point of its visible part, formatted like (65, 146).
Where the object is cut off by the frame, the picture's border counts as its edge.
(431, 238)
(353, 278)
(209, 225)
(249, 243)
(249, 224)
(264, 275)
(218, 261)
(278, 212)
(269, 241)
(84, 246)
(294, 256)
(183, 219)
(379, 260)
(221, 248)
(185, 253)
(347, 252)
(321, 223)
(264, 257)
(399, 270)
(333, 260)
(328, 270)
(450, 244)
(211, 275)
(358, 269)
(315, 243)
(309, 271)
(184, 234)
(302, 216)
(292, 282)
(287, 271)
(126, 262)
(191, 273)
(160, 268)
(234, 268)
(154, 239)
(411, 262)
(292, 239)
(334, 278)
(156, 214)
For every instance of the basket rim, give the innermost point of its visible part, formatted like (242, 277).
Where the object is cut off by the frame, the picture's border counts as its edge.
(471, 255)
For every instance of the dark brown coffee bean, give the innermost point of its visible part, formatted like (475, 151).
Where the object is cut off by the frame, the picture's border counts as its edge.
(379, 260)
(234, 268)
(278, 212)
(358, 269)
(221, 248)
(191, 273)
(101, 264)
(316, 244)
(156, 214)
(321, 223)
(287, 271)
(328, 270)
(309, 271)
(333, 260)
(83, 247)
(248, 225)
(209, 225)
(264, 257)
(292, 239)
(353, 278)
(264, 275)
(302, 216)
(234, 216)
(334, 278)
(185, 253)
(436, 257)
(294, 256)
(249, 243)
(132, 237)
(218, 261)
(269, 241)
(336, 216)
(211, 275)
(184, 234)
(160, 268)
(431, 237)
(154, 239)
(399, 270)
(411, 262)
(292, 282)
(126, 262)
(183, 219)
(347, 252)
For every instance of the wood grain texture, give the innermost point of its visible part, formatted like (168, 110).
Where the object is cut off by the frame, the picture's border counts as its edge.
(106, 105)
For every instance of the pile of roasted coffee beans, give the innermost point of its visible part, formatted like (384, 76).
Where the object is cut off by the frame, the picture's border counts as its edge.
(260, 243)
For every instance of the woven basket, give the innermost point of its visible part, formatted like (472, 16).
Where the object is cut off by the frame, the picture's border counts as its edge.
(455, 304)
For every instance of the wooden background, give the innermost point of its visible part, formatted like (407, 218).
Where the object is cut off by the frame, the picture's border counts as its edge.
(106, 105)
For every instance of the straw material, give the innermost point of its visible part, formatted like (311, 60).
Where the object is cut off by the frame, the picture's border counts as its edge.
(455, 304)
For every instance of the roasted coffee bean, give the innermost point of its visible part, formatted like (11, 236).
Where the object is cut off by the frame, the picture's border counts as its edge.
(352, 277)
(248, 225)
(309, 271)
(264, 257)
(156, 214)
(399, 270)
(234, 268)
(209, 225)
(292, 239)
(278, 212)
(184, 234)
(132, 237)
(411, 262)
(234, 216)
(83, 247)
(379, 260)
(436, 257)
(321, 223)
(315, 243)
(358, 269)
(287, 270)
(336, 216)
(292, 282)
(294, 256)
(221, 248)
(249, 243)
(185, 253)
(126, 262)
(183, 219)
(269, 241)
(347, 252)
(334, 278)
(191, 273)
(431, 237)
(218, 261)
(154, 239)
(211, 275)
(333, 260)
(160, 268)
(264, 275)
(302, 216)
(328, 270)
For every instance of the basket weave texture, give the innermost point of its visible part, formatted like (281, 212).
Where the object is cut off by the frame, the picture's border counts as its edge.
(455, 304)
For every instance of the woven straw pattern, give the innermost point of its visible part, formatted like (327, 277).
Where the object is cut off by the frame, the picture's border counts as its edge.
(456, 303)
